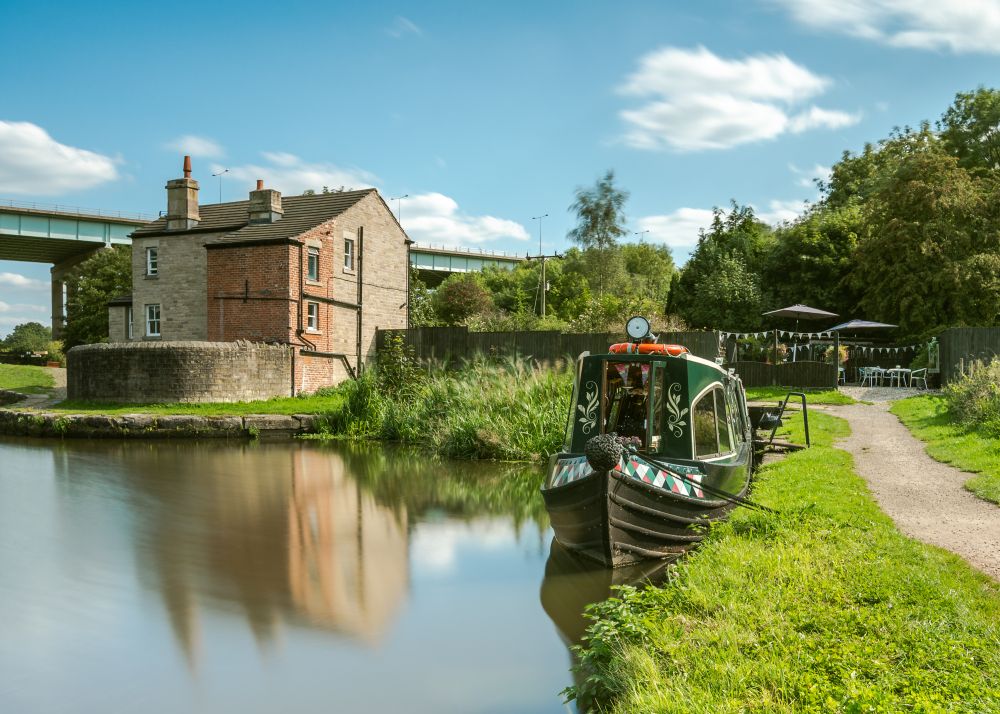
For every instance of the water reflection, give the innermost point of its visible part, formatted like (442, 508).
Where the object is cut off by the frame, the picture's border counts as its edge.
(226, 577)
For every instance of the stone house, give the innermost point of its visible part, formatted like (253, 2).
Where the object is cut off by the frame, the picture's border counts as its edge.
(317, 272)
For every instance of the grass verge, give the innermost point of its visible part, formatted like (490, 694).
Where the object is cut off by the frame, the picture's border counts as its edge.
(813, 396)
(25, 379)
(927, 417)
(822, 607)
(308, 404)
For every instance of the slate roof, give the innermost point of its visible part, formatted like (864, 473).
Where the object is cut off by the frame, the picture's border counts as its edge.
(301, 213)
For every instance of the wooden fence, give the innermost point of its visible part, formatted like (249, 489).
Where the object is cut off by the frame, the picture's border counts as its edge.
(444, 344)
(964, 345)
(804, 374)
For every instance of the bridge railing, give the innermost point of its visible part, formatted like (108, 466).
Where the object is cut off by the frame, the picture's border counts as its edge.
(75, 210)
(461, 249)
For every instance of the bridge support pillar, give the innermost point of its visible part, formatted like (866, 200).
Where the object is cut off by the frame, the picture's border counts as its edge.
(60, 293)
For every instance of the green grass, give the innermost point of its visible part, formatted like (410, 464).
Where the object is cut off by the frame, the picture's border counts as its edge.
(822, 607)
(507, 412)
(25, 379)
(309, 404)
(950, 442)
(813, 396)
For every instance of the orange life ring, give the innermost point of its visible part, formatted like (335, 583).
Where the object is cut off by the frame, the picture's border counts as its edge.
(647, 348)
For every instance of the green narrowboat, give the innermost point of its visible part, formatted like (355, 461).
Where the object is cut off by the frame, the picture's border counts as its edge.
(658, 445)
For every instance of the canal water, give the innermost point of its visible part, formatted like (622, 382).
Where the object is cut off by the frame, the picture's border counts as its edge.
(300, 577)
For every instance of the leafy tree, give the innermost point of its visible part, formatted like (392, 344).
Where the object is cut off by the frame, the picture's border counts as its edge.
(650, 269)
(970, 130)
(28, 337)
(90, 285)
(460, 297)
(931, 247)
(811, 258)
(600, 223)
(725, 267)
(421, 302)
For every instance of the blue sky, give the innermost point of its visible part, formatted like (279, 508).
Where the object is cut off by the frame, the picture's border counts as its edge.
(486, 114)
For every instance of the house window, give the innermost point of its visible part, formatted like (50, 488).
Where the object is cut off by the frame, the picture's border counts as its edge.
(348, 254)
(312, 271)
(152, 320)
(128, 322)
(152, 266)
(312, 316)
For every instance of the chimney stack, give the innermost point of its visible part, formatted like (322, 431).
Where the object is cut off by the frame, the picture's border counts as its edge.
(182, 201)
(265, 204)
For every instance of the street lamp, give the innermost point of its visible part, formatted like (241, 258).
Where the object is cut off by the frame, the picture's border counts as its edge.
(541, 255)
(399, 207)
(640, 234)
(224, 171)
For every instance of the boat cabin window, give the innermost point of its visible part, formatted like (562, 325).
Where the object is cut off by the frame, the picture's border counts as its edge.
(626, 407)
(712, 432)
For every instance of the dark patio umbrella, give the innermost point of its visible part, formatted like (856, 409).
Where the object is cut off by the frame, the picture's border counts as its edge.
(802, 312)
(853, 325)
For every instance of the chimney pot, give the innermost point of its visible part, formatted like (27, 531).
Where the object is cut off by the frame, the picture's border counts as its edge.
(187, 167)
(260, 184)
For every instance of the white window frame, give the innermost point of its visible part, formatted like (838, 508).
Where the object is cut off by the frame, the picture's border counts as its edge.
(128, 322)
(312, 261)
(312, 316)
(151, 320)
(152, 261)
(348, 253)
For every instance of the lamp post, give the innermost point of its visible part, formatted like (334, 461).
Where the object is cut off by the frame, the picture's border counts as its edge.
(224, 171)
(399, 207)
(541, 254)
(640, 234)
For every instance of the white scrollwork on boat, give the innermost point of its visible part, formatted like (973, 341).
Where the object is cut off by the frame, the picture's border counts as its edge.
(589, 418)
(675, 415)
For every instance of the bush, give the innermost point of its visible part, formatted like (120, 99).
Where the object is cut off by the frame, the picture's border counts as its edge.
(974, 399)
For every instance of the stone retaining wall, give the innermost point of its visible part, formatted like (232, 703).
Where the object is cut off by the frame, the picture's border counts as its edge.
(163, 372)
(153, 426)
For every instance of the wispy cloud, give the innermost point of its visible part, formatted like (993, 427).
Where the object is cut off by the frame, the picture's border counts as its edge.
(199, 146)
(436, 218)
(402, 26)
(6, 308)
(958, 26)
(32, 162)
(23, 282)
(696, 100)
(808, 177)
(291, 175)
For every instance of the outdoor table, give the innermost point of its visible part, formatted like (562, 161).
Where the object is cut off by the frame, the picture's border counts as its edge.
(902, 375)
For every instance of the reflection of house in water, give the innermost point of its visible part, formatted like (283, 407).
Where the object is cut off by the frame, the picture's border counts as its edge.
(284, 533)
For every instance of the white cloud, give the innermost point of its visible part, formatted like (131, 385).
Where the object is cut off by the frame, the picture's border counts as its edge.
(291, 175)
(402, 26)
(7, 307)
(680, 228)
(199, 146)
(435, 546)
(16, 280)
(32, 162)
(807, 177)
(433, 218)
(959, 26)
(696, 100)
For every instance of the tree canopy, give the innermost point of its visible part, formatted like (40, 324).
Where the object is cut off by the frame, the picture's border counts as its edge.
(28, 337)
(89, 286)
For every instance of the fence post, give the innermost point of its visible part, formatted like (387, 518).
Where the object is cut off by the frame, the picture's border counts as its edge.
(774, 372)
(836, 362)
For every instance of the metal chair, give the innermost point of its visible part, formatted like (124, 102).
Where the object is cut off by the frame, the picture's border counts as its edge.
(869, 374)
(919, 375)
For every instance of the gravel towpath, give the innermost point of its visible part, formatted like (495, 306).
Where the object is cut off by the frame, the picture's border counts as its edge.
(923, 496)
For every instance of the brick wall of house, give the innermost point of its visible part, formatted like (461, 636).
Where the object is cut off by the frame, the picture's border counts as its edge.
(248, 293)
(178, 288)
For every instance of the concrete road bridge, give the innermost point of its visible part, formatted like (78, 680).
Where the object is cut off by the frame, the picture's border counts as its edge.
(61, 236)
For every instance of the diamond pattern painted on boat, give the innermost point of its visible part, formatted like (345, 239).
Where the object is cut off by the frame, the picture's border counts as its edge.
(684, 480)
(569, 470)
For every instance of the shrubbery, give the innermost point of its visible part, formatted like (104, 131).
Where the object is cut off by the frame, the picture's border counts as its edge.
(508, 411)
(974, 399)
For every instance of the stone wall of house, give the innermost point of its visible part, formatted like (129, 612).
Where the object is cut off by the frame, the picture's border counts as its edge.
(117, 323)
(138, 372)
(179, 287)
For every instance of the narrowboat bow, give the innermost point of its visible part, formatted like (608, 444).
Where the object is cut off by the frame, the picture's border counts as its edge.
(658, 445)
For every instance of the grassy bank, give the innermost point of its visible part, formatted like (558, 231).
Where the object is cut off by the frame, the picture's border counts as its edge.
(509, 412)
(967, 448)
(823, 607)
(813, 396)
(325, 403)
(25, 379)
